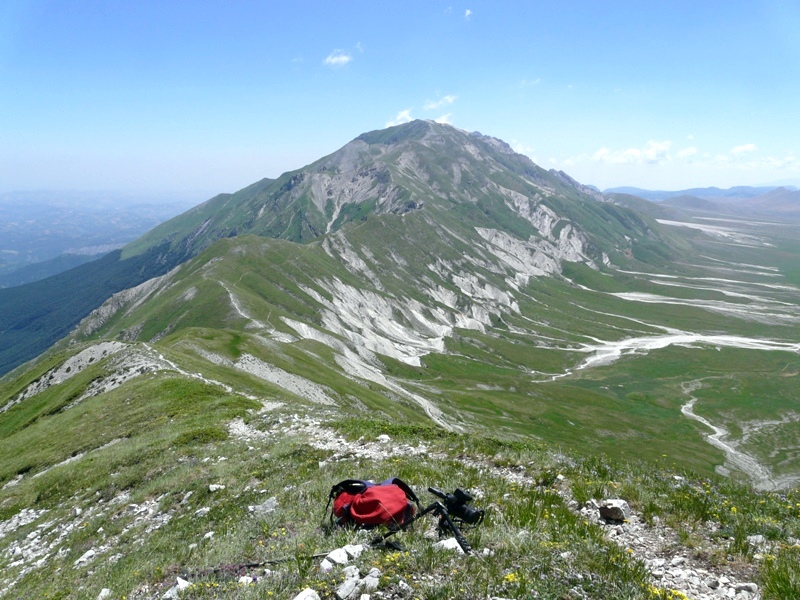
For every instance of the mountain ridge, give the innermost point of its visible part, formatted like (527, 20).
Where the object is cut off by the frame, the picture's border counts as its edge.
(739, 191)
(741, 201)
(451, 314)
(377, 172)
(426, 163)
(487, 263)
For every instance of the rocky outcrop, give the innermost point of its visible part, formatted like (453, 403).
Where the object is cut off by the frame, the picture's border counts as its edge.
(128, 299)
(69, 368)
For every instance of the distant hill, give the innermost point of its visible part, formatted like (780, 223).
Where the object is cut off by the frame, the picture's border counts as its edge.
(35, 315)
(780, 201)
(742, 201)
(708, 192)
(46, 268)
(656, 210)
(692, 202)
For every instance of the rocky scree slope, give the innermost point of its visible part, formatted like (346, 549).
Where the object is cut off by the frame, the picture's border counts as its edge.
(417, 166)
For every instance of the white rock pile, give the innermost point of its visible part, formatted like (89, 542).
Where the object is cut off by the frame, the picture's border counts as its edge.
(672, 566)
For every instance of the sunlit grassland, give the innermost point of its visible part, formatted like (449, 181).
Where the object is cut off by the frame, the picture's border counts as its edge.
(537, 543)
(141, 418)
(521, 375)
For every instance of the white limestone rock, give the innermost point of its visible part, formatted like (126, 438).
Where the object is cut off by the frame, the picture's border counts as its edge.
(371, 583)
(338, 556)
(85, 557)
(449, 544)
(349, 589)
(615, 509)
(261, 510)
(354, 550)
(351, 572)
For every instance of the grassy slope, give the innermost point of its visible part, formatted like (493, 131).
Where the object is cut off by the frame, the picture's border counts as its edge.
(500, 380)
(498, 383)
(613, 430)
(35, 316)
(138, 499)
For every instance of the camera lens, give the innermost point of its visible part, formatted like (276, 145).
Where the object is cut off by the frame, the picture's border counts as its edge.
(462, 496)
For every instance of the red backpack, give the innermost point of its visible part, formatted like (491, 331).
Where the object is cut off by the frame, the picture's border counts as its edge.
(366, 504)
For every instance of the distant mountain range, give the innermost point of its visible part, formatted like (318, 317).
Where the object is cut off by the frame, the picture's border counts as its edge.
(707, 192)
(762, 202)
(44, 233)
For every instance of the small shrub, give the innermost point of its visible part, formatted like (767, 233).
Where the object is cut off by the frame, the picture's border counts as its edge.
(201, 435)
(781, 575)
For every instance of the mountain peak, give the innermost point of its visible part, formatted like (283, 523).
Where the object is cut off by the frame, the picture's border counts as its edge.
(494, 142)
(396, 171)
(413, 130)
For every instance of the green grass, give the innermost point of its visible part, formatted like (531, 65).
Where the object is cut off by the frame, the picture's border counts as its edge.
(498, 378)
(538, 545)
(145, 416)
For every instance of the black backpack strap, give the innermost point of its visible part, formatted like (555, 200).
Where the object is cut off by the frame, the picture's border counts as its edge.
(351, 486)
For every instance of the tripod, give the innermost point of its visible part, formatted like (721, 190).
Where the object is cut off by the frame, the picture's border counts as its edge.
(445, 522)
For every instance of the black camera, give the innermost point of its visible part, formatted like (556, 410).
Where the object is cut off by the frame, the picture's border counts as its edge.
(457, 505)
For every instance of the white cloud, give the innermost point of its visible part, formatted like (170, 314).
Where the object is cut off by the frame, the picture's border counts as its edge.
(743, 148)
(601, 155)
(521, 148)
(445, 119)
(444, 101)
(467, 14)
(360, 47)
(337, 58)
(651, 153)
(678, 168)
(526, 83)
(527, 150)
(789, 163)
(631, 156)
(404, 116)
(657, 152)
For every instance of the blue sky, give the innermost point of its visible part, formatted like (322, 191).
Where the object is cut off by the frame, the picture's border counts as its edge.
(208, 96)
